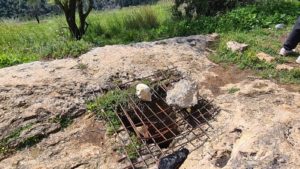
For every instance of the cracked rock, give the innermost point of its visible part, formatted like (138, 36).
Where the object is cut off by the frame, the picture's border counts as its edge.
(184, 94)
(284, 67)
(265, 57)
(236, 47)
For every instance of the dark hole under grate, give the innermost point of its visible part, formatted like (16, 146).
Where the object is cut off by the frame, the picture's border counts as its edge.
(162, 129)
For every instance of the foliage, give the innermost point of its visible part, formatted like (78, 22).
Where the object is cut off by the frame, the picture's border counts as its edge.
(259, 16)
(110, 100)
(106, 105)
(83, 8)
(233, 90)
(259, 40)
(126, 25)
(30, 41)
(27, 9)
(82, 66)
(191, 8)
(14, 135)
(132, 147)
(142, 18)
(29, 142)
(23, 8)
(63, 121)
(284, 76)
(126, 3)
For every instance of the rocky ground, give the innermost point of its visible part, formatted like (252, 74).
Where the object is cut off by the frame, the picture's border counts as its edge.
(43, 104)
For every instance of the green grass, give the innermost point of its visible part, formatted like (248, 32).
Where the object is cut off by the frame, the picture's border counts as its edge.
(132, 147)
(63, 121)
(106, 105)
(259, 40)
(127, 25)
(6, 146)
(29, 41)
(29, 142)
(82, 66)
(22, 42)
(233, 90)
(14, 135)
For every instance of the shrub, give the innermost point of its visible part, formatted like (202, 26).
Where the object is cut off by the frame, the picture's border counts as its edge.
(191, 8)
(262, 14)
(142, 18)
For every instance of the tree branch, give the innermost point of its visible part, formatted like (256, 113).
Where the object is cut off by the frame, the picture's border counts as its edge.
(90, 7)
(60, 5)
(80, 9)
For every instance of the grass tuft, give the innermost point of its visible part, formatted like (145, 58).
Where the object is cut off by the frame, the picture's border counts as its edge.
(106, 105)
(233, 90)
(131, 148)
(5, 147)
(63, 121)
(141, 18)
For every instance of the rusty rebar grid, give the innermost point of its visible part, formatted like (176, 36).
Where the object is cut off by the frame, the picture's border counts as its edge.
(165, 128)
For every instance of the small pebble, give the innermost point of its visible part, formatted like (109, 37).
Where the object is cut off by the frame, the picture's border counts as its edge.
(298, 60)
(279, 26)
(143, 92)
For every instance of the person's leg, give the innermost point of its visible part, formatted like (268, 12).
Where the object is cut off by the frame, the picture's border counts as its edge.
(294, 37)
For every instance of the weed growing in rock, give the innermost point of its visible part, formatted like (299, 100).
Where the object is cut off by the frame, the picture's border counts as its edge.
(29, 142)
(82, 66)
(131, 148)
(106, 105)
(63, 121)
(5, 148)
(233, 90)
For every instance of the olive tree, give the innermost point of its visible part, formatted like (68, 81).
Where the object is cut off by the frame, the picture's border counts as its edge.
(83, 8)
(35, 6)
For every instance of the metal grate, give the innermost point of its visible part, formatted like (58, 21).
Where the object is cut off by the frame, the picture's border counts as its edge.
(161, 129)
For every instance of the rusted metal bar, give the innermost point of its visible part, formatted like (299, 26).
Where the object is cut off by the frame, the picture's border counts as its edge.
(161, 120)
(179, 113)
(145, 125)
(161, 128)
(132, 123)
(163, 87)
(123, 143)
(149, 133)
(148, 119)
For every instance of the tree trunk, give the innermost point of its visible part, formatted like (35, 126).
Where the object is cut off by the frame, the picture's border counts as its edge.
(69, 9)
(70, 14)
(37, 17)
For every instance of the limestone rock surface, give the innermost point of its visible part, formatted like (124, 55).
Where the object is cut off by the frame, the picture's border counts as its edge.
(44, 103)
(236, 47)
(258, 126)
(284, 67)
(265, 57)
